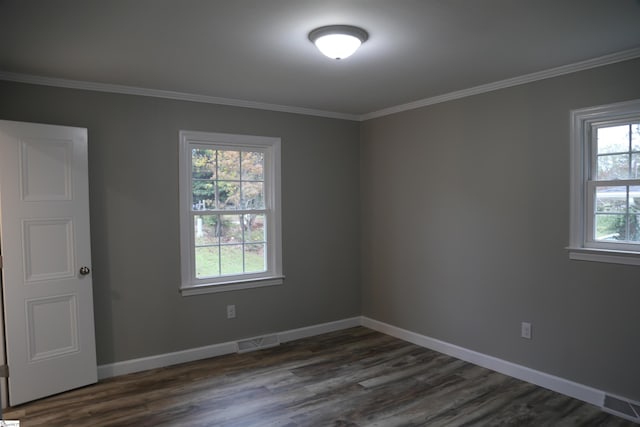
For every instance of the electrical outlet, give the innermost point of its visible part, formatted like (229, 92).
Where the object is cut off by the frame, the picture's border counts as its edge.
(525, 330)
(231, 311)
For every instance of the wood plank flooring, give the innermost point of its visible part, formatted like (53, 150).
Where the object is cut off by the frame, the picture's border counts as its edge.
(354, 377)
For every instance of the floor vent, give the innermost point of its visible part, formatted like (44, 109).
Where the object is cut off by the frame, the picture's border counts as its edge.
(622, 408)
(258, 343)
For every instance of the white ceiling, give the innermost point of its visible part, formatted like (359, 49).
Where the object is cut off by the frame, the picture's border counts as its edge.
(258, 51)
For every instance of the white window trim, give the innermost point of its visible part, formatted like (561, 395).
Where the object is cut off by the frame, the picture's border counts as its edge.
(582, 121)
(190, 285)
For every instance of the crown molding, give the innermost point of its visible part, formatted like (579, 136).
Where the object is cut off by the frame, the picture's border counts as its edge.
(502, 84)
(167, 94)
(184, 96)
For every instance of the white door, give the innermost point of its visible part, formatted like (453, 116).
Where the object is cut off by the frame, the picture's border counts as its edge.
(46, 279)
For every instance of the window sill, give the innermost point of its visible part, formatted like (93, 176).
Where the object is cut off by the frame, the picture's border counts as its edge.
(231, 286)
(604, 255)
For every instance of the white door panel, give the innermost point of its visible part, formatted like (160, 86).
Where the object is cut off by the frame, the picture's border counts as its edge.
(46, 169)
(44, 220)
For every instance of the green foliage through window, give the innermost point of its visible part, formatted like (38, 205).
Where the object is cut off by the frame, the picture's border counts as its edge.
(224, 181)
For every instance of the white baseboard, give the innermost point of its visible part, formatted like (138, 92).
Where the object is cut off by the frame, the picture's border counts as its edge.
(162, 360)
(551, 382)
(323, 328)
(190, 355)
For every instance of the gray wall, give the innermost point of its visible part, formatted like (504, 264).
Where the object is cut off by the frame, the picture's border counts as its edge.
(465, 217)
(133, 173)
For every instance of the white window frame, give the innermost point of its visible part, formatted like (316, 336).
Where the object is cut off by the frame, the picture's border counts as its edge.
(582, 245)
(190, 284)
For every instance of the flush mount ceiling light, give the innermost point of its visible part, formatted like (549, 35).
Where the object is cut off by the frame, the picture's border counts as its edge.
(338, 41)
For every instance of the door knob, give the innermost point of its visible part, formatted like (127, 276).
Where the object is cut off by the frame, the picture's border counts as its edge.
(84, 270)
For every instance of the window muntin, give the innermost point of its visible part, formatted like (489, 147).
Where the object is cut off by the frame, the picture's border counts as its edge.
(230, 219)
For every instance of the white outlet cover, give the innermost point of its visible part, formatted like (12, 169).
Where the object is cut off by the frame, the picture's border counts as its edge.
(231, 312)
(525, 330)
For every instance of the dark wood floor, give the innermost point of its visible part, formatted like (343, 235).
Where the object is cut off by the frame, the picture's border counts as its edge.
(355, 377)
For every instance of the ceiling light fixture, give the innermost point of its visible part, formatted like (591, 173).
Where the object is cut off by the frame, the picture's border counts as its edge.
(338, 41)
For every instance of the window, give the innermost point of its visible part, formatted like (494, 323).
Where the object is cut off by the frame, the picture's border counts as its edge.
(229, 212)
(605, 187)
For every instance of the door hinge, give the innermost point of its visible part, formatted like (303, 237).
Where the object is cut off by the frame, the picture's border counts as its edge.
(4, 371)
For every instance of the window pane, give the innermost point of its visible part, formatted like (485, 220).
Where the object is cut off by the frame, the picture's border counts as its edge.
(252, 166)
(207, 262)
(231, 259)
(613, 167)
(252, 195)
(231, 230)
(203, 163)
(254, 260)
(228, 164)
(634, 228)
(254, 228)
(206, 229)
(634, 199)
(635, 137)
(611, 227)
(613, 139)
(635, 166)
(204, 194)
(611, 199)
(229, 195)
